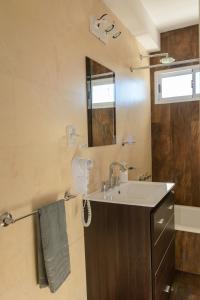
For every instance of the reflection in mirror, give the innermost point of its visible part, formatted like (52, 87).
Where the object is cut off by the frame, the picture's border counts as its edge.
(101, 108)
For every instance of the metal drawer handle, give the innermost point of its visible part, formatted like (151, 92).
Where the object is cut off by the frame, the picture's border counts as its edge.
(161, 221)
(170, 207)
(167, 289)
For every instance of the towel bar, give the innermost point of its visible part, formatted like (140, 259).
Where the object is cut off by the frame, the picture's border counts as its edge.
(6, 218)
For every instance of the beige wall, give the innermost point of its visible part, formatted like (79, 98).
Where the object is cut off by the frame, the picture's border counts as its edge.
(43, 45)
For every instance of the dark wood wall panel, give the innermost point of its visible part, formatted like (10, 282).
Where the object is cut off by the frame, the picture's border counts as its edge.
(187, 252)
(176, 127)
(99, 69)
(103, 126)
(186, 153)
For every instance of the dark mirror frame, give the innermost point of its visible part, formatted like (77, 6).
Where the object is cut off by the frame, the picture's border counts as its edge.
(90, 110)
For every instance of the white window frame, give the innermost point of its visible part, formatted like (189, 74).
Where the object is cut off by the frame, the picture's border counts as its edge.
(172, 72)
(196, 69)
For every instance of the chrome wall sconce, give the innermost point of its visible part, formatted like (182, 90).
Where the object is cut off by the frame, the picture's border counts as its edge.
(103, 28)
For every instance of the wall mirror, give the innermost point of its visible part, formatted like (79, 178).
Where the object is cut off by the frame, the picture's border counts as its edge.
(101, 104)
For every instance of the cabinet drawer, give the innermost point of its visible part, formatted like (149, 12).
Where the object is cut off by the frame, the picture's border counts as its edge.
(164, 275)
(159, 249)
(162, 215)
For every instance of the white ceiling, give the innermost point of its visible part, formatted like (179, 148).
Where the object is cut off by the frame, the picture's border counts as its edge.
(135, 17)
(145, 19)
(172, 14)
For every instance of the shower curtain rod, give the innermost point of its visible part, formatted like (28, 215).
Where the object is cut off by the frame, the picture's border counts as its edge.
(6, 218)
(176, 63)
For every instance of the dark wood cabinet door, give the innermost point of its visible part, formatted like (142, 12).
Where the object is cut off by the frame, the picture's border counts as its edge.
(127, 258)
(161, 216)
(159, 249)
(118, 253)
(165, 274)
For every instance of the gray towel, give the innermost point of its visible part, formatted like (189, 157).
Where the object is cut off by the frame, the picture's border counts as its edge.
(53, 249)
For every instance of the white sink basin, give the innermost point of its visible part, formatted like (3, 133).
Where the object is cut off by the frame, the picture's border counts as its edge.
(138, 193)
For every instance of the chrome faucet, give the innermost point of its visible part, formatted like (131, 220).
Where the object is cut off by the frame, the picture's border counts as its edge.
(114, 180)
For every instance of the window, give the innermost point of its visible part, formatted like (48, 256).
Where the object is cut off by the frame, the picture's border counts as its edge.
(197, 78)
(103, 92)
(177, 85)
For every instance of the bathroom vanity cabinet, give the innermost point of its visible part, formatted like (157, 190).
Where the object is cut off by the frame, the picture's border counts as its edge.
(130, 251)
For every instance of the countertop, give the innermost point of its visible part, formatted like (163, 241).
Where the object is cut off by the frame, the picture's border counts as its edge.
(139, 193)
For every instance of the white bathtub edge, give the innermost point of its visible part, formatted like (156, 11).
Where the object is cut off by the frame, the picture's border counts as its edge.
(187, 229)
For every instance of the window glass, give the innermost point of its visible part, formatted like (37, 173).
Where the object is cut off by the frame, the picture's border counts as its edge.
(177, 86)
(103, 93)
(197, 79)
